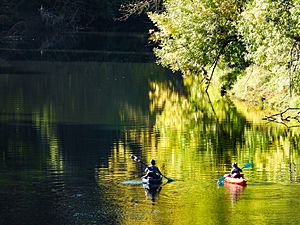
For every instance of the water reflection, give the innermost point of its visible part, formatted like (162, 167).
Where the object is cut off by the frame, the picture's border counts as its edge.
(226, 134)
(68, 130)
(92, 46)
(235, 191)
(195, 143)
(152, 191)
(60, 128)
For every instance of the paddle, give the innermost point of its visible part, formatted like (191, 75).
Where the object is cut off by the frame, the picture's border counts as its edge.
(135, 158)
(221, 179)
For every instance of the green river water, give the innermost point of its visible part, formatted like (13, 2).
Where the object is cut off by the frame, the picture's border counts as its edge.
(70, 121)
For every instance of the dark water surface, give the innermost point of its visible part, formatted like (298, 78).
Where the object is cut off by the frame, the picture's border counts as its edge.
(68, 128)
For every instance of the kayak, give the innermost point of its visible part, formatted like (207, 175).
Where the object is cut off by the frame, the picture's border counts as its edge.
(152, 186)
(239, 181)
(152, 181)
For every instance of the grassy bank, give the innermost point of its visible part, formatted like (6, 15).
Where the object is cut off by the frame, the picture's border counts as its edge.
(261, 88)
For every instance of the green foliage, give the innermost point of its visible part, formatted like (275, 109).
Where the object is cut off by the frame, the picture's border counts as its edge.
(192, 35)
(270, 30)
(230, 78)
(196, 36)
(264, 30)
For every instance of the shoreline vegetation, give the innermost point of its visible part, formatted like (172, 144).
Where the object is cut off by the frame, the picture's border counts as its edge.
(262, 89)
(248, 48)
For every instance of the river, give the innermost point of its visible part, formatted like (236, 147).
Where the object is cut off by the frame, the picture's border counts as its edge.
(71, 119)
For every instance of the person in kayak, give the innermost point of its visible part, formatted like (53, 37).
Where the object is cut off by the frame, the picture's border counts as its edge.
(236, 171)
(152, 171)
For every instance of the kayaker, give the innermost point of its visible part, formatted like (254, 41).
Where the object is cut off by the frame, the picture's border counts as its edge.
(152, 171)
(236, 171)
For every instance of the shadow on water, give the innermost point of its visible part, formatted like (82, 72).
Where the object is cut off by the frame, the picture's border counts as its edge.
(63, 111)
(152, 191)
(68, 129)
(101, 47)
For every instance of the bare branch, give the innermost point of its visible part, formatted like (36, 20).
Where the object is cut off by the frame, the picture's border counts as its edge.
(139, 7)
(290, 120)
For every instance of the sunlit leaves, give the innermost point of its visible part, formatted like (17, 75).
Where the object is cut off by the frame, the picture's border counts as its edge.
(192, 34)
(270, 31)
(262, 28)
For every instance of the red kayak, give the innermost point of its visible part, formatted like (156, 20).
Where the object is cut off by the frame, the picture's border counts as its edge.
(239, 181)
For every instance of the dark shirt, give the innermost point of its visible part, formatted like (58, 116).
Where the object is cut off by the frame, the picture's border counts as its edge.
(153, 169)
(236, 170)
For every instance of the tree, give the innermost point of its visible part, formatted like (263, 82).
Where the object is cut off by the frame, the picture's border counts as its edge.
(195, 36)
(271, 32)
(139, 7)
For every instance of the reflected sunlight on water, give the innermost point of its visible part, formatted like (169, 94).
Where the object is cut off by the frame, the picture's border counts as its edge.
(68, 134)
(198, 152)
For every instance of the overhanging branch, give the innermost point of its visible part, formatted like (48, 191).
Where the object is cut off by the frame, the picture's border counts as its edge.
(225, 43)
(139, 7)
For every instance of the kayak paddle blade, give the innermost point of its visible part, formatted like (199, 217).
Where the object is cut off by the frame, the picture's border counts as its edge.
(221, 179)
(135, 158)
(133, 182)
(170, 180)
(247, 166)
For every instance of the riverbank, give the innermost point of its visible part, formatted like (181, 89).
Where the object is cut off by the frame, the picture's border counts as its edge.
(259, 87)
(262, 89)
